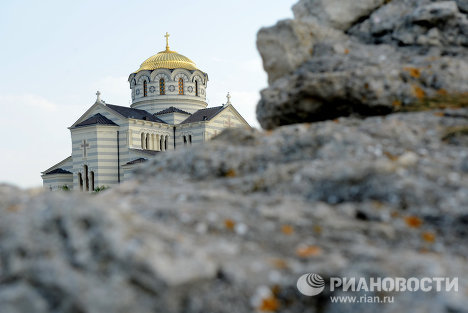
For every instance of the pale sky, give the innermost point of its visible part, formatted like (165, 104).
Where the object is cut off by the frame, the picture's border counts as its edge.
(55, 55)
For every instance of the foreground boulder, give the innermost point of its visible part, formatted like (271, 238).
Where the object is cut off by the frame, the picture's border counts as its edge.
(231, 226)
(373, 57)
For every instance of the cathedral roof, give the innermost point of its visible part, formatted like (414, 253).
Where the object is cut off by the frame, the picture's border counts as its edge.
(58, 171)
(171, 110)
(167, 59)
(134, 113)
(97, 119)
(203, 115)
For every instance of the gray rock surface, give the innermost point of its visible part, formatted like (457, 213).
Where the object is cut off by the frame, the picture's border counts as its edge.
(382, 57)
(336, 14)
(231, 225)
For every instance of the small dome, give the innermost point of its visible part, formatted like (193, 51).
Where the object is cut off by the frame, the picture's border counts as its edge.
(167, 59)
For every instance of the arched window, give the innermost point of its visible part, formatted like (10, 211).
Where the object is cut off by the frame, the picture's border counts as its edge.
(145, 88)
(147, 143)
(166, 139)
(196, 88)
(190, 139)
(80, 179)
(92, 181)
(85, 168)
(185, 140)
(181, 86)
(162, 87)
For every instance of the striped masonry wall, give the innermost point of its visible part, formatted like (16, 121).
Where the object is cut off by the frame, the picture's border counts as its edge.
(106, 153)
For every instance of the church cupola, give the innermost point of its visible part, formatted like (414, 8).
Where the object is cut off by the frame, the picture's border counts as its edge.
(168, 79)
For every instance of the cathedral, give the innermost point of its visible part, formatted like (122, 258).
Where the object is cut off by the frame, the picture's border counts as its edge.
(168, 111)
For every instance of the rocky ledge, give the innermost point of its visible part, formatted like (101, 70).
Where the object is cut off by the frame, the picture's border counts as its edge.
(230, 226)
(371, 57)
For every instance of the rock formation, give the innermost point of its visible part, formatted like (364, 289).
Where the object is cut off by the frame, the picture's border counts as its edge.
(340, 58)
(237, 221)
(240, 219)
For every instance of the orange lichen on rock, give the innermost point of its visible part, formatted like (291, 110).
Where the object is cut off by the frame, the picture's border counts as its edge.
(270, 304)
(439, 101)
(279, 263)
(441, 114)
(308, 251)
(346, 51)
(287, 229)
(229, 224)
(413, 221)
(442, 92)
(413, 71)
(231, 173)
(396, 103)
(13, 208)
(428, 237)
(275, 290)
(391, 156)
(418, 92)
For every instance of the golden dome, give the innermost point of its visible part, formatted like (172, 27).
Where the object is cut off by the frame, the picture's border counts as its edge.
(167, 59)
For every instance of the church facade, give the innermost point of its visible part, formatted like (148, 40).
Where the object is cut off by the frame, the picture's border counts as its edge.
(168, 111)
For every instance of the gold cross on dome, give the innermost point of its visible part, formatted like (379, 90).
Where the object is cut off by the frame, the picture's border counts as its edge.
(167, 40)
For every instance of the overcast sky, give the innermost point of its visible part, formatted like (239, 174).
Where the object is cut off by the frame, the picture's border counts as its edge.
(55, 55)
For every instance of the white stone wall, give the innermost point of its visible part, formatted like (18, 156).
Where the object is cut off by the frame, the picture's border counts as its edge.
(56, 182)
(182, 102)
(136, 154)
(195, 130)
(101, 155)
(228, 118)
(173, 118)
(179, 118)
(128, 169)
(205, 130)
(154, 101)
(107, 157)
(158, 134)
